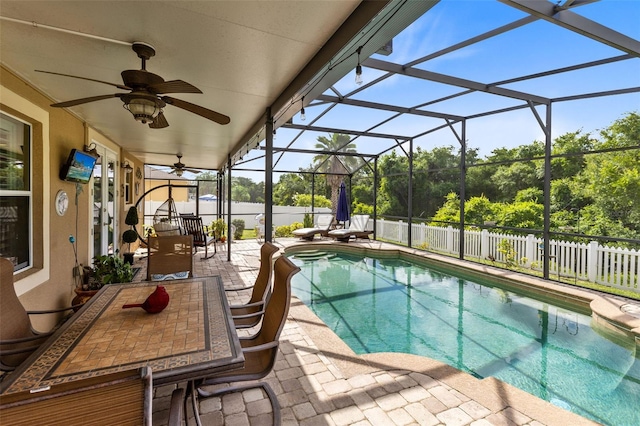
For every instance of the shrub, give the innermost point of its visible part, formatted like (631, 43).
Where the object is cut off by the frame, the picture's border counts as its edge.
(287, 230)
(239, 224)
(307, 221)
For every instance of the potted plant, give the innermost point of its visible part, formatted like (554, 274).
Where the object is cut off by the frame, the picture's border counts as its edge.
(218, 227)
(130, 235)
(107, 269)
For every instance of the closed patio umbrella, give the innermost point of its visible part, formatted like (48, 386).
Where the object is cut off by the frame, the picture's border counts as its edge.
(342, 211)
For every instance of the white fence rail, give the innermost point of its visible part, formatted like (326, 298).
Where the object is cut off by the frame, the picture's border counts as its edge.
(612, 267)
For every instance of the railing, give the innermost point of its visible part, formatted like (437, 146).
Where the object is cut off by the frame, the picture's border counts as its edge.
(608, 266)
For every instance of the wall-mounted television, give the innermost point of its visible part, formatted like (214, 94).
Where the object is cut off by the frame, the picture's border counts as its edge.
(79, 167)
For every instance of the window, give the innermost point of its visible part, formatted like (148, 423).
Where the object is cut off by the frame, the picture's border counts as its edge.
(15, 191)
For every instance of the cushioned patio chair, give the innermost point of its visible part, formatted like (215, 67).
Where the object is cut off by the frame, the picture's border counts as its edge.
(244, 316)
(323, 225)
(170, 257)
(122, 398)
(259, 350)
(18, 339)
(193, 226)
(356, 229)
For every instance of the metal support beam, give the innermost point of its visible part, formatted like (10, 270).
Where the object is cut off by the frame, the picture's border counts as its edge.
(268, 177)
(410, 195)
(228, 209)
(345, 131)
(453, 81)
(547, 193)
(572, 21)
(387, 107)
(375, 198)
(463, 185)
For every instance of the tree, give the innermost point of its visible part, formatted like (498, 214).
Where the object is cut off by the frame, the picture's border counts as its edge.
(207, 183)
(332, 163)
(287, 188)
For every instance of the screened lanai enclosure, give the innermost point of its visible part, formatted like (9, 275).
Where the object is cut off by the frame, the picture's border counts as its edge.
(526, 119)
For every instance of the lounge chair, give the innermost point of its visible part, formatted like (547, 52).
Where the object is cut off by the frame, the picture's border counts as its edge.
(356, 229)
(323, 224)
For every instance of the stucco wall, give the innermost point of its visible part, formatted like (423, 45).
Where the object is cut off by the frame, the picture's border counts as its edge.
(49, 284)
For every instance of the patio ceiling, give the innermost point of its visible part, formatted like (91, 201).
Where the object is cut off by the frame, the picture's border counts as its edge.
(245, 56)
(251, 56)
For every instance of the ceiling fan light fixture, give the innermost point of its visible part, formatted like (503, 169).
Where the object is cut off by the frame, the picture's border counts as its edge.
(179, 172)
(143, 110)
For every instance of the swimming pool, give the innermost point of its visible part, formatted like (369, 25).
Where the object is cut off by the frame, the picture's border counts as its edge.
(391, 305)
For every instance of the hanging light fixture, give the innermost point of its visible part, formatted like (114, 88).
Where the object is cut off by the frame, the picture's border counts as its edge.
(144, 108)
(303, 116)
(359, 69)
(127, 167)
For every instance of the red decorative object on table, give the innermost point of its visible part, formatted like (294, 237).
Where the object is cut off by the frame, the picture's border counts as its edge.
(156, 302)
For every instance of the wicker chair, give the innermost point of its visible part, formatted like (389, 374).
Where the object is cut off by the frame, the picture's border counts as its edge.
(259, 350)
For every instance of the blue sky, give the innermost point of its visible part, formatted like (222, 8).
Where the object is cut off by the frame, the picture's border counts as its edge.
(536, 47)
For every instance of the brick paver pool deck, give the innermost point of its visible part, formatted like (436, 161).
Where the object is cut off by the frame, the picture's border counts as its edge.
(320, 381)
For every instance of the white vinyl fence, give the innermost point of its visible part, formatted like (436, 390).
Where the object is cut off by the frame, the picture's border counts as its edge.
(612, 267)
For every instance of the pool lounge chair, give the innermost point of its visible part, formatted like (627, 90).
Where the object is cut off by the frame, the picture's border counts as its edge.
(323, 224)
(356, 229)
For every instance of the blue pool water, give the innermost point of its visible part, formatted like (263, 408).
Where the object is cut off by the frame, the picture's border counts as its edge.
(390, 305)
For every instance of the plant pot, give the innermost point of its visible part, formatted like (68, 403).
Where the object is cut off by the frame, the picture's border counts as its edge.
(82, 296)
(128, 258)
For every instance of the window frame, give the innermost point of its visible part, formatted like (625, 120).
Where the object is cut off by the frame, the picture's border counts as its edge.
(24, 193)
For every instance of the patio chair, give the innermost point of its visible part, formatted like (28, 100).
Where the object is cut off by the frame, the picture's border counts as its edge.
(18, 339)
(122, 398)
(259, 350)
(323, 225)
(193, 226)
(244, 316)
(170, 257)
(356, 229)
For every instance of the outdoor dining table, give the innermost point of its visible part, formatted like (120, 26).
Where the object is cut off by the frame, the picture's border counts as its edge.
(191, 338)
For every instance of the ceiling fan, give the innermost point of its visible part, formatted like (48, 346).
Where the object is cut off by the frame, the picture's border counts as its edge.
(179, 168)
(144, 100)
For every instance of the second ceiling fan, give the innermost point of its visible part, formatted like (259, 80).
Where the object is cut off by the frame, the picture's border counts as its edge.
(144, 100)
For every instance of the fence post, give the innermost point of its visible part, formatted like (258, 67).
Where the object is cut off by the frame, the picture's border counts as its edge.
(592, 261)
(449, 239)
(530, 249)
(484, 244)
(381, 228)
(423, 231)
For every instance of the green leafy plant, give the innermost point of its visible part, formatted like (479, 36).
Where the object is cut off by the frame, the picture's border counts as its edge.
(239, 224)
(217, 227)
(509, 253)
(109, 269)
(307, 222)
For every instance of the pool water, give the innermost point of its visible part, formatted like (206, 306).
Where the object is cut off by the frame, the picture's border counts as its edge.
(390, 305)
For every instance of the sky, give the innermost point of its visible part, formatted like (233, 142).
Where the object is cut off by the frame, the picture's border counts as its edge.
(536, 47)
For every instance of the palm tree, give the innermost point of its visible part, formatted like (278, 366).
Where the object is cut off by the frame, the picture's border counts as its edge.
(335, 165)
